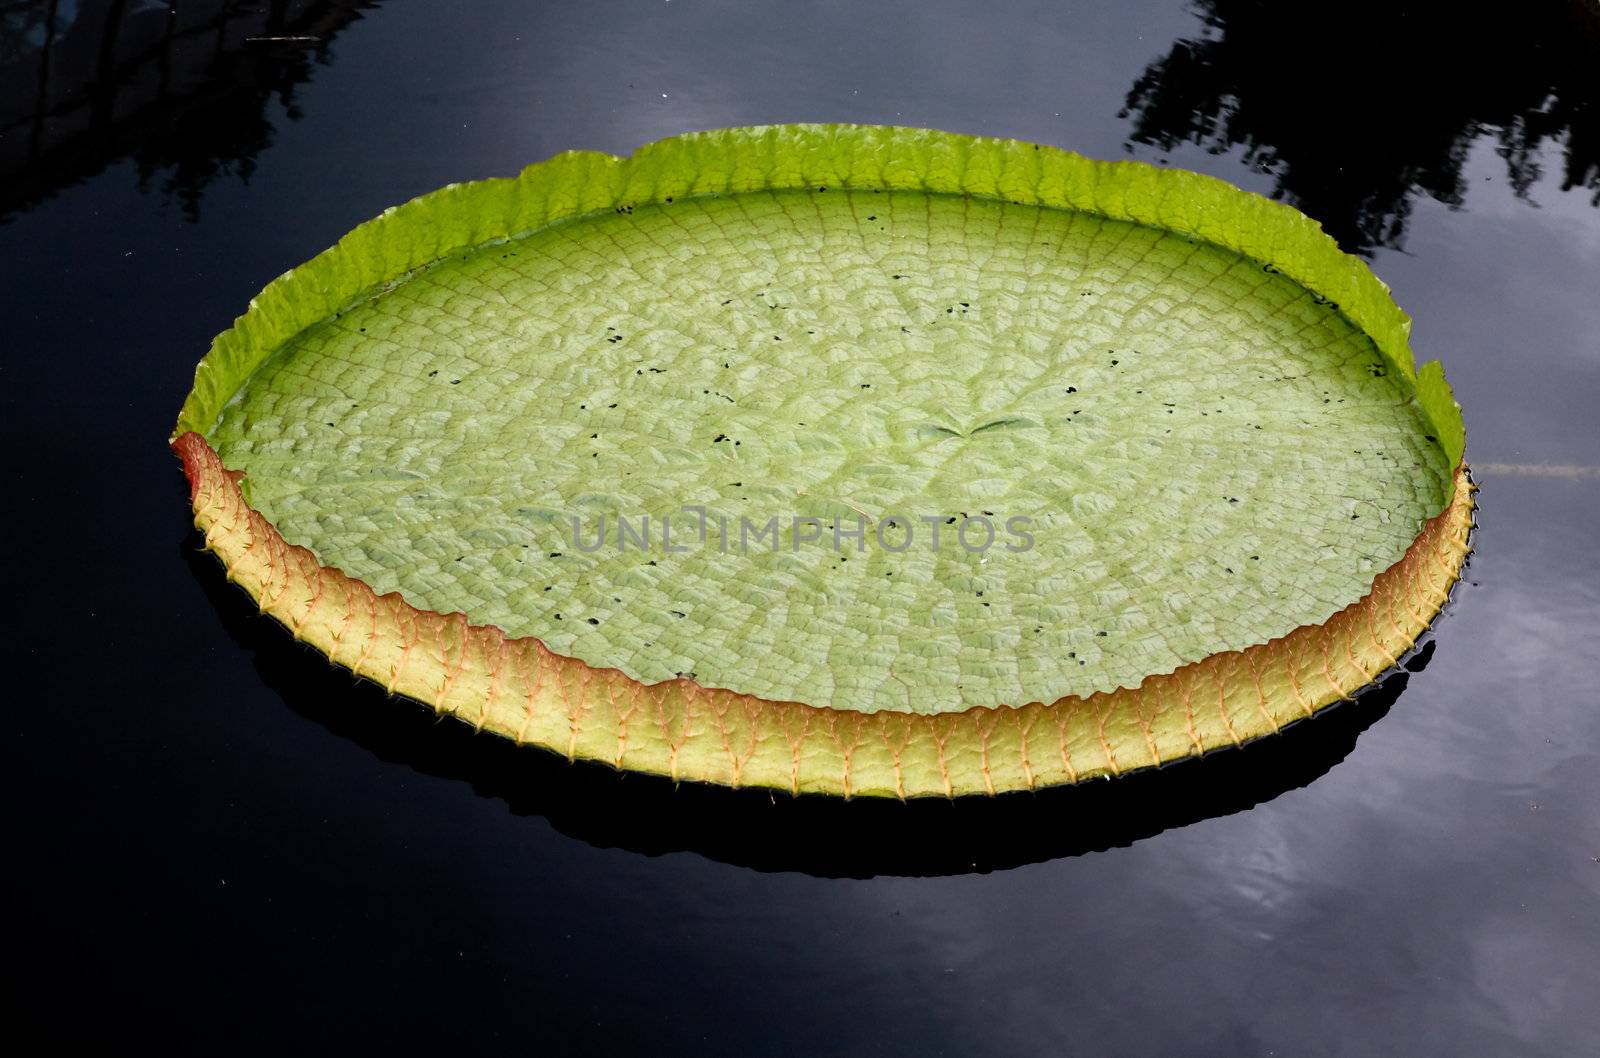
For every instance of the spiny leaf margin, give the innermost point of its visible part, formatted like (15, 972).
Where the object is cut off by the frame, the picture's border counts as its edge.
(520, 689)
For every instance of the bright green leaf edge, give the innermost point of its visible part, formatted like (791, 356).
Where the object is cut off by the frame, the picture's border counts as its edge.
(403, 239)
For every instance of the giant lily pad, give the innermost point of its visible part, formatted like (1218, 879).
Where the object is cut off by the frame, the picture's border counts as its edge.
(982, 465)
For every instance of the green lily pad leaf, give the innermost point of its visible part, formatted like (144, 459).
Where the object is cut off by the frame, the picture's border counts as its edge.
(917, 439)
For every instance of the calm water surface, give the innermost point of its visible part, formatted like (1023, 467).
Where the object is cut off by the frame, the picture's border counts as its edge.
(222, 840)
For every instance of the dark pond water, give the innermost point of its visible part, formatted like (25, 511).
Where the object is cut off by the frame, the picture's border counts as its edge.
(216, 838)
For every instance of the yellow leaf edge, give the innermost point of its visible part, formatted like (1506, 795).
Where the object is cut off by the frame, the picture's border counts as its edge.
(522, 690)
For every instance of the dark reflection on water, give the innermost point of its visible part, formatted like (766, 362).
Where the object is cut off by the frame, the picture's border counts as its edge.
(777, 832)
(1354, 120)
(1380, 101)
(182, 89)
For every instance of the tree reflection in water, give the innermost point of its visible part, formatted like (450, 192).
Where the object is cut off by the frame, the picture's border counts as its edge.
(1366, 106)
(182, 89)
